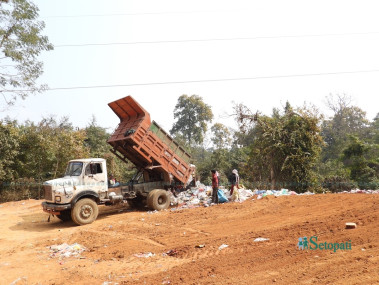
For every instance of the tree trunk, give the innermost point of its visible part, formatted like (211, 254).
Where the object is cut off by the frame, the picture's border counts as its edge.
(272, 176)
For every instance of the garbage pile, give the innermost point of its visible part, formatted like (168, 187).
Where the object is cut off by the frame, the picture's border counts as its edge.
(201, 196)
(359, 191)
(66, 250)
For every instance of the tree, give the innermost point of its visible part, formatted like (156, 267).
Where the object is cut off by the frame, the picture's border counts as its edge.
(362, 167)
(96, 142)
(9, 142)
(347, 120)
(96, 139)
(285, 148)
(21, 43)
(192, 116)
(221, 137)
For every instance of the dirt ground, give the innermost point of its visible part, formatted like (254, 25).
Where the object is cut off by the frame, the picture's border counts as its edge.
(116, 239)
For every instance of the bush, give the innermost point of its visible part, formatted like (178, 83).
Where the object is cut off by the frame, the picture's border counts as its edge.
(338, 184)
(370, 185)
(20, 189)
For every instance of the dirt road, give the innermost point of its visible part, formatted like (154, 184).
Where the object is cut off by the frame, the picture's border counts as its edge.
(140, 247)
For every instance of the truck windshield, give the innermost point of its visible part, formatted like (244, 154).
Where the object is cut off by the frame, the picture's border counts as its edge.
(74, 169)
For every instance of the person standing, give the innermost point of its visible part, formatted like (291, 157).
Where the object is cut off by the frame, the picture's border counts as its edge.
(234, 180)
(214, 187)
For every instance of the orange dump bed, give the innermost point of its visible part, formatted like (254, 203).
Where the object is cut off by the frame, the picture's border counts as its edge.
(146, 144)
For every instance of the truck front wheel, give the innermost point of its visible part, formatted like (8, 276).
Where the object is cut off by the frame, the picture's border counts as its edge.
(84, 212)
(159, 200)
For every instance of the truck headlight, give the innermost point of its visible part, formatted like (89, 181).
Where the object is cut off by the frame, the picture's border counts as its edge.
(57, 198)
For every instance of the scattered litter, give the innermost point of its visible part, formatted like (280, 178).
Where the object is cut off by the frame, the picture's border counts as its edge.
(171, 252)
(261, 239)
(359, 191)
(223, 246)
(66, 250)
(351, 225)
(200, 246)
(144, 254)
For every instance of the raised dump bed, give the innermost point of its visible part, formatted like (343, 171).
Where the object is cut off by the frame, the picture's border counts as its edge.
(147, 145)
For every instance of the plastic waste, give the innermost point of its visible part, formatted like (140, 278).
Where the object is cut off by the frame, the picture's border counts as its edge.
(221, 196)
(261, 239)
(144, 254)
(66, 250)
(223, 246)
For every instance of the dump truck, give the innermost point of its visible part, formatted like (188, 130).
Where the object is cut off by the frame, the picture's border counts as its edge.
(162, 166)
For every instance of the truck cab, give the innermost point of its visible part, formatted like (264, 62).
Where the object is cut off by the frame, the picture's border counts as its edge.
(84, 179)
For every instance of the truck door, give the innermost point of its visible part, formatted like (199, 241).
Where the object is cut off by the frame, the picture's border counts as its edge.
(95, 178)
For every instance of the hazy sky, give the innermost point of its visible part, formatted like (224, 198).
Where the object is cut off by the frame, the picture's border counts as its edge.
(260, 53)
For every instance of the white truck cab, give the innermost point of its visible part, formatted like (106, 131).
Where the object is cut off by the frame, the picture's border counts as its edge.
(76, 195)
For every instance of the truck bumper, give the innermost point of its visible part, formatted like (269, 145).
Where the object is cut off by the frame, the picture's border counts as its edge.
(55, 209)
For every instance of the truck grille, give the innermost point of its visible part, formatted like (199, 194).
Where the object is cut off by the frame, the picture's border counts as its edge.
(48, 192)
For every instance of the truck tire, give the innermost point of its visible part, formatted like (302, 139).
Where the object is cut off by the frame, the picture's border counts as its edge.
(149, 199)
(160, 200)
(65, 216)
(84, 212)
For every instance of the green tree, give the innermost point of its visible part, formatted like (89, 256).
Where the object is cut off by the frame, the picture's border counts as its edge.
(9, 148)
(192, 117)
(21, 43)
(285, 148)
(96, 142)
(221, 136)
(96, 139)
(362, 167)
(347, 120)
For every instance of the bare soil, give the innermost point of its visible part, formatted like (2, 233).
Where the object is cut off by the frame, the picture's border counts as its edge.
(173, 237)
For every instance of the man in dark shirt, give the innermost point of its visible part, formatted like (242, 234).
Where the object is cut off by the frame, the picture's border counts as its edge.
(214, 187)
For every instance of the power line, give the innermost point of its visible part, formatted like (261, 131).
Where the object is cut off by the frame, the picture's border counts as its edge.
(204, 80)
(221, 39)
(124, 14)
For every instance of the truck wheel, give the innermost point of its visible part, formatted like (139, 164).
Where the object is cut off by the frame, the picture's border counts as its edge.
(149, 198)
(65, 216)
(160, 200)
(84, 212)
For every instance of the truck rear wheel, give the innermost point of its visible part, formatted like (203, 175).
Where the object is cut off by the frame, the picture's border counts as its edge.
(84, 212)
(149, 199)
(65, 216)
(160, 200)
